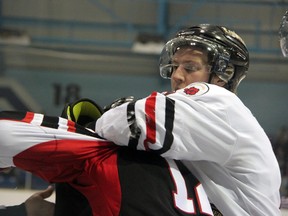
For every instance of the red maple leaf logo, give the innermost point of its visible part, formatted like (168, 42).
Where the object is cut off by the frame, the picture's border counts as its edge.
(191, 90)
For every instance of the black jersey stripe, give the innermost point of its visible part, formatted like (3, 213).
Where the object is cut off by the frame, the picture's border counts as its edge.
(169, 124)
(47, 121)
(17, 116)
(50, 121)
(135, 130)
(83, 130)
(53, 122)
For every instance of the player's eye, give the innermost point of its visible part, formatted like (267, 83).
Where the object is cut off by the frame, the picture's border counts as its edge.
(191, 67)
(174, 67)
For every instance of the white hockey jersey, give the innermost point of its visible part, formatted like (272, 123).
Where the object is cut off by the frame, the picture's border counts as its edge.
(214, 134)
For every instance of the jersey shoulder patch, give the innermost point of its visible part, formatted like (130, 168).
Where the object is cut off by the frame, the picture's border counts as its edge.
(196, 89)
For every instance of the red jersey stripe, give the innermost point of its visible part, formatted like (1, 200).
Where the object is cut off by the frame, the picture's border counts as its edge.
(28, 117)
(71, 126)
(150, 120)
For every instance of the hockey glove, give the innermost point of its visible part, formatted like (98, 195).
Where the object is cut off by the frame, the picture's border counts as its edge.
(118, 102)
(82, 111)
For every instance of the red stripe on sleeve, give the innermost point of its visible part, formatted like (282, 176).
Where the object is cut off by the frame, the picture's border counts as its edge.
(71, 126)
(150, 120)
(29, 117)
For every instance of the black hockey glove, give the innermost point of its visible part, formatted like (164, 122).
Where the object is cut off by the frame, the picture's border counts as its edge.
(83, 112)
(118, 102)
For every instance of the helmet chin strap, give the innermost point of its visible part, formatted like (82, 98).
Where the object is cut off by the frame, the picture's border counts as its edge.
(220, 67)
(210, 77)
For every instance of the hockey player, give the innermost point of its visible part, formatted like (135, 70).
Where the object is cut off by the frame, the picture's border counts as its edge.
(114, 180)
(203, 123)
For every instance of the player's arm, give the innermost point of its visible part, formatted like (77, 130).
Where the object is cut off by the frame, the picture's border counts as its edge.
(68, 200)
(175, 126)
(53, 148)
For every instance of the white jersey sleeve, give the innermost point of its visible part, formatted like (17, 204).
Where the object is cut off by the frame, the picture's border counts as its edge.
(190, 124)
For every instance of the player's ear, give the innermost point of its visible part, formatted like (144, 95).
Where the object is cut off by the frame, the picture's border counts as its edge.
(221, 83)
(217, 81)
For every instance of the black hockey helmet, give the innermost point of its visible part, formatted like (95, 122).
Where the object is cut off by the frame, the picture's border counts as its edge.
(228, 56)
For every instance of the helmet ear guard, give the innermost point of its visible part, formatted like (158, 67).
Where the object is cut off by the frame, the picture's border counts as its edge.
(220, 67)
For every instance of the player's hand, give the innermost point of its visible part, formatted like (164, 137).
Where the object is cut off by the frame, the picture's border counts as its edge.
(118, 102)
(36, 205)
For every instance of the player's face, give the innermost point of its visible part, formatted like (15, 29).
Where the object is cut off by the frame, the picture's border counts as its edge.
(190, 66)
